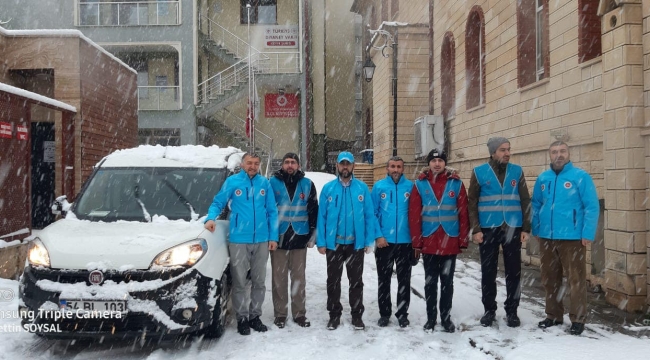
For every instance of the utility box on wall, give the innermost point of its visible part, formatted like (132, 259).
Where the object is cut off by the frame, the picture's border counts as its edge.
(429, 134)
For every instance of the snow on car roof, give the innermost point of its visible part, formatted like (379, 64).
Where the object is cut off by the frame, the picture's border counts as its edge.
(196, 156)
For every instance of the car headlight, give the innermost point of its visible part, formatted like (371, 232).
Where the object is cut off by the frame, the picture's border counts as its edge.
(38, 255)
(186, 254)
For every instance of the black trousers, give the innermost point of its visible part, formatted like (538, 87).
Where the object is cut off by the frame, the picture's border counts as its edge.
(443, 267)
(509, 239)
(399, 255)
(353, 261)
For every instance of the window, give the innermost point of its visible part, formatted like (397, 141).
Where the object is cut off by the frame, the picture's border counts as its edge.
(128, 13)
(262, 11)
(448, 75)
(475, 58)
(589, 34)
(533, 44)
(165, 137)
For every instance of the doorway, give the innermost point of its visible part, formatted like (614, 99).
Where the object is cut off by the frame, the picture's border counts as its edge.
(43, 173)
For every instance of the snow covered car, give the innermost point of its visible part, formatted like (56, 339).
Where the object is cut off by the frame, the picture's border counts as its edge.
(131, 258)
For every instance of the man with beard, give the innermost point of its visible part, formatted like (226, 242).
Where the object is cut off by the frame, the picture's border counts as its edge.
(439, 224)
(297, 215)
(499, 211)
(565, 217)
(346, 226)
(253, 233)
(390, 197)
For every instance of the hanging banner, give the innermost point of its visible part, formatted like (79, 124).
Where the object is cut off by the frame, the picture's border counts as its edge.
(281, 106)
(6, 130)
(281, 36)
(22, 132)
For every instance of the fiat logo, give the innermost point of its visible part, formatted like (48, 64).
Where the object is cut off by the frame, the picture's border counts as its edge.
(96, 277)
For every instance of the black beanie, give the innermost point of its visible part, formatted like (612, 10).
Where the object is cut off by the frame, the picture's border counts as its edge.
(435, 153)
(291, 155)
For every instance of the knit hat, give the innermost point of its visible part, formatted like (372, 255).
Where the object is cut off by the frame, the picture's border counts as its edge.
(494, 143)
(291, 155)
(435, 153)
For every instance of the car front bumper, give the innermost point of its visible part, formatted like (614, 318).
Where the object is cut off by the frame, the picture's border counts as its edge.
(155, 303)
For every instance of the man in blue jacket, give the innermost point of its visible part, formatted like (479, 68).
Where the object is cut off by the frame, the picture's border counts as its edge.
(253, 232)
(346, 226)
(565, 217)
(390, 197)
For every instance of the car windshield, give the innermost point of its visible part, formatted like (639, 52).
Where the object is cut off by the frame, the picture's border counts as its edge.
(137, 194)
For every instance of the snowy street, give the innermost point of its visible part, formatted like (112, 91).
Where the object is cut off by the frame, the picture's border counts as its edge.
(471, 341)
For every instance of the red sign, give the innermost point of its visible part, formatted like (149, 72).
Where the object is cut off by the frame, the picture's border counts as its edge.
(22, 132)
(281, 106)
(6, 130)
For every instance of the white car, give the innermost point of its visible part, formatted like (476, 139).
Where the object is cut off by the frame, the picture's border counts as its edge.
(131, 258)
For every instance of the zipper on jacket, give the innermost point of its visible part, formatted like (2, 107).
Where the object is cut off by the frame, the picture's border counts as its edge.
(574, 219)
(236, 220)
(254, 222)
(553, 203)
(336, 201)
(396, 211)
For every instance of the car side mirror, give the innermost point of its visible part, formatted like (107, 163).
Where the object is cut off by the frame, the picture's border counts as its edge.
(61, 205)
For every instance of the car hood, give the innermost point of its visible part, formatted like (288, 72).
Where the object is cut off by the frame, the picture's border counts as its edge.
(122, 245)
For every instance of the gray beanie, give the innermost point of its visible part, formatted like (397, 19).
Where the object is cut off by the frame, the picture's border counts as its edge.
(494, 143)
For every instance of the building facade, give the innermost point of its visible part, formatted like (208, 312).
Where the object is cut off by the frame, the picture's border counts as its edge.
(533, 71)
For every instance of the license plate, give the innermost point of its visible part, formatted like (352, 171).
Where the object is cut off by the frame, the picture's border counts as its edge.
(90, 306)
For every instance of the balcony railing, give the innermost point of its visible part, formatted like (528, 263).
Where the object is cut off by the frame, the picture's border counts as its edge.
(129, 13)
(159, 98)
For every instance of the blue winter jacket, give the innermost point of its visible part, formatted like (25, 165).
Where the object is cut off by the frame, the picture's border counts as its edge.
(391, 204)
(254, 217)
(565, 205)
(362, 214)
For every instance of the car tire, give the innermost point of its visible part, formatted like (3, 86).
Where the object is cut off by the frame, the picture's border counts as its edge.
(220, 315)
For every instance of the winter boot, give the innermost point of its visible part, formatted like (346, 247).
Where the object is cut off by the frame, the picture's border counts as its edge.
(383, 321)
(430, 324)
(358, 323)
(488, 318)
(577, 328)
(448, 325)
(302, 321)
(280, 322)
(257, 325)
(403, 321)
(512, 320)
(334, 323)
(547, 323)
(243, 328)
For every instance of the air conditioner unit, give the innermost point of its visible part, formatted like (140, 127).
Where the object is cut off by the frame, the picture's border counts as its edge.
(429, 134)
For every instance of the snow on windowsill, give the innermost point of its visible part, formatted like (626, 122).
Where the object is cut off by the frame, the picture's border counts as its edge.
(36, 97)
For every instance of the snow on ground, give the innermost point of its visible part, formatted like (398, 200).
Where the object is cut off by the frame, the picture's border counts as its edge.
(471, 341)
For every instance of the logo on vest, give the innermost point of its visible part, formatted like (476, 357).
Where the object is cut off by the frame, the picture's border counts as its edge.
(262, 192)
(452, 194)
(543, 187)
(238, 192)
(568, 185)
(302, 196)
(329, 199)
(407, 195)
(360, 198)
(513, 183)
(383, 195)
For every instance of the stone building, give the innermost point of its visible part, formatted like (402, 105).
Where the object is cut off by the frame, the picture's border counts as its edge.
(534, 71)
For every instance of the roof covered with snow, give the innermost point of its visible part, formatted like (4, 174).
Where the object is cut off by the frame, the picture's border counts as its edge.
(63, 33)
(197, 156)
(36, 97)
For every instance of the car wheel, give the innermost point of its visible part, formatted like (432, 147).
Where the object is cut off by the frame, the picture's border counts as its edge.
(219, 317)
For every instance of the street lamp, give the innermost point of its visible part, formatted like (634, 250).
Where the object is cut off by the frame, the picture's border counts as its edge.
(369, 69)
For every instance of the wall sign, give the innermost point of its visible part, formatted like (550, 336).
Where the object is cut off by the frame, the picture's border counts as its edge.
(281, 36)
(281, 106)
(6, 130)
(49, 148)
(22, 132)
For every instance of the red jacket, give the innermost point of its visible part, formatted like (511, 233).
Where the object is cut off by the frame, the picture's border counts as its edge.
(438, 243)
